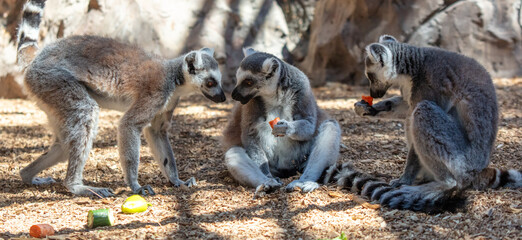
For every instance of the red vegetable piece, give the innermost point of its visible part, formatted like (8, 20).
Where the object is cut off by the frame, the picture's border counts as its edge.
(368, 99)
(41, 230)
(274, 122)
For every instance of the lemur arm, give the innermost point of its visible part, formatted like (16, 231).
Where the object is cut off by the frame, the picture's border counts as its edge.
(391, 108)
(129, 131)
(302, 128)
(158, 140)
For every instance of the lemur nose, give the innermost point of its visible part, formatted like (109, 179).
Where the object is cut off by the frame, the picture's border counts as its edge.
(235, 94)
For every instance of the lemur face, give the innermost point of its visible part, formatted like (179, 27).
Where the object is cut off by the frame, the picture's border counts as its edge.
(379, 66)
(257, 75)
(203, 71)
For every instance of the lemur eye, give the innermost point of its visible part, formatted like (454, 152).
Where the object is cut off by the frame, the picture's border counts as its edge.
(249, 82)
(211, 83)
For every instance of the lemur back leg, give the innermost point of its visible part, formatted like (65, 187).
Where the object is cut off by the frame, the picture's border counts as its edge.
(325, 153)
(411, 170)
(441, 146)
(76, 114)
(248, 172)
(54, 155)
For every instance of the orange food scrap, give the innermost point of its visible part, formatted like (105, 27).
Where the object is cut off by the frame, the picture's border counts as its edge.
(274, 122)
(41, 230)
(368, 99)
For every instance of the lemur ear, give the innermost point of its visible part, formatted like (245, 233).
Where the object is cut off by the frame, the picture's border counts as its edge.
(387, 38)
(377, 53)
(270, 66)
(190, 60)
(248, 51)
(209, 51)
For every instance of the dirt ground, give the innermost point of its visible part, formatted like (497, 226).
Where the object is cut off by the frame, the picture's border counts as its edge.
(219, 208)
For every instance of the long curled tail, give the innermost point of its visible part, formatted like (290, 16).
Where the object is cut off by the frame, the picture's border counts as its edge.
(28, 31)
(431, 197)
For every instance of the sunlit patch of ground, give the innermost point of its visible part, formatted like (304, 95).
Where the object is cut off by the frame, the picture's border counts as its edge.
(219, 208)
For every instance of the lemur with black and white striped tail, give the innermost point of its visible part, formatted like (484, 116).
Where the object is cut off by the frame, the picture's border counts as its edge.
(306, 140)
(73, 77)
(450, 108)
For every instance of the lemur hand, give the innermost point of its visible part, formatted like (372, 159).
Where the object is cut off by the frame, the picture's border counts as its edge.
(281, 128)
(362, 108)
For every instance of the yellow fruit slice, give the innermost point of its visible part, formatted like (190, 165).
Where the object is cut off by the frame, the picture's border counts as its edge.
(135, 204)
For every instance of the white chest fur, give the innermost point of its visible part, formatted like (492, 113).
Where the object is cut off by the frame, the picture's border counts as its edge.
(405, 84)
(282, 152)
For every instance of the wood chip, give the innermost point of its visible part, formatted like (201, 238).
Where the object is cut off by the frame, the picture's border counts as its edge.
(364, 203)
(221, 208)
(335, 194)
(515, 210)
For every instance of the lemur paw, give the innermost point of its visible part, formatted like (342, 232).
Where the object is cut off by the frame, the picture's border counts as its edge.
(190, 182)
(42, 181)
(104, 192)
(90, 191)
(396, 183)
(144, 190)
(280, 129)
(362, 108)
(305, 186)
(410, 197)
(268, 186)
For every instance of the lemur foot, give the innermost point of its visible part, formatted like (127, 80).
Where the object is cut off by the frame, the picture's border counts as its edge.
(362, 108)
(189, 183)
(144, 190)
(305, 186)
(396, 183)
(268, 186)
(91, 191)
(42, 181)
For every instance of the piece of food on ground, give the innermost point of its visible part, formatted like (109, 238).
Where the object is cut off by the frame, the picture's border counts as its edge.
(274, 122)
(368, 99)
(135, 204)
(100, 217)
(41, 230)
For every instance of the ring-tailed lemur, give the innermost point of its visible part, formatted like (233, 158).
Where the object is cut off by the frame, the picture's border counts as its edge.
(73, 77)
(305, 140)
(450, 107)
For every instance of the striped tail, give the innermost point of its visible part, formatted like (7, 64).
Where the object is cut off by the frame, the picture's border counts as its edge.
(431, 197)
(28, 31)
(496, 178)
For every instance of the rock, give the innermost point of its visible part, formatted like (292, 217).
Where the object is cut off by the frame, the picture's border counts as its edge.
(324, 38)
(487, 30)
(299, 15)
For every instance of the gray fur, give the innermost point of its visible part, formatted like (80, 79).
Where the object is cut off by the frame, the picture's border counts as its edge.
(449, 104)
(73, 77)
(27, 37)
(305, 140)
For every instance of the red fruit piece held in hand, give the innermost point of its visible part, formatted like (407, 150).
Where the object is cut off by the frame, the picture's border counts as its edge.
(368, 99)
(274, 122)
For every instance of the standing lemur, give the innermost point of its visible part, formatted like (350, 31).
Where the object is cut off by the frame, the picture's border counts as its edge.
(450, 108)
(73, 77)
(305, 140)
